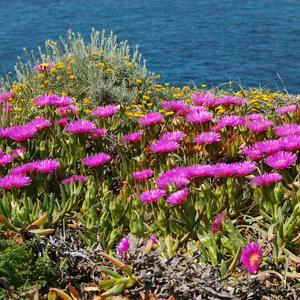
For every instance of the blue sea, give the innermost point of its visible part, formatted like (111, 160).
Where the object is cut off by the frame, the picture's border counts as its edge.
(254, 42)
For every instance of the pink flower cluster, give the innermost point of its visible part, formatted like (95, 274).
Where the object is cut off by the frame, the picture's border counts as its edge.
(53, 100)
(81, 127)
(208, 100)
(134, 137)
(96, 160)
(4, 97)
(151, 119)
(43, 67)
(105, 111)
(142, 175)
(74, 178)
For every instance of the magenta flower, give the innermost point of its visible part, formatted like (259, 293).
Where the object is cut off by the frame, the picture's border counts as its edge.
(198, 117)
(287, 129)
(286, 109)
(98, 133)
(4, 97)
(229, 121)
(5, 159)
(230, 100)
(43, 67)
(14, 181)
(172, 105)
(224, 170)
(162, 146)
(74, 178)
(207, 99)
(176, 176)
(153, 241)
(53, 100)
(178, 197)
(124, 246)
(207, 138)
(18, 152)
(291, 142)
(20, 133)
(281, 160)
(175, 136)
(152, 196)
(39, 123)
(244, 168)
(24, 169)
(269, 146)
(62, 122)
(217, 224)
(105, 111)
(65, 110)
(61, 101)
(151, 118)
(45, 100)
(259, 125)
(7, 108)
(142, 175)
(46, 166)
(96, 160)
(80, 127)
(251, 257)
(266, 179)
(196, 171)
(134, 137)
(254, 117)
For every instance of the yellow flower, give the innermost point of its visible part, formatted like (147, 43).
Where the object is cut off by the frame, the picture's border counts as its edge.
(126, 57)
(41, 75)
(69, 70)
(109, 70)
(150, 104)
(52, 71)
(129, 114)
(179, 95)
(188, 101)
(220, 109)
(72, 77)
(58, 78)
(130, 64)
(64, 93)
(87, 111)
(145, 97)
(138, 81)
(161, 111)
(101, 65)
(86, 101)
(203, 85)
(169, 113)
(149, 92)
(60, 65)
(95, 53)
(158, 86)
(46, 82)
(167, 84)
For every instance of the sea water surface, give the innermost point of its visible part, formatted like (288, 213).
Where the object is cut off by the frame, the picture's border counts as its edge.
(206, 41)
